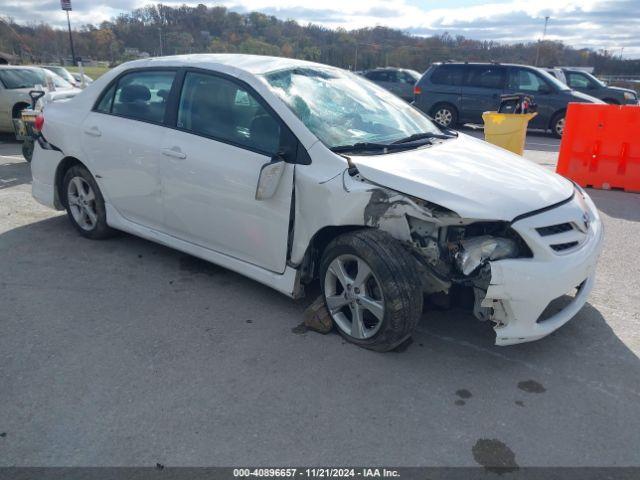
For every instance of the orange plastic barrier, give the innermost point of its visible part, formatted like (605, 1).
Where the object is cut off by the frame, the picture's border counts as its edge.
(601, 146)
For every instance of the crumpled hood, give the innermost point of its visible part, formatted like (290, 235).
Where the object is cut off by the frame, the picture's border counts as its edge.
(469, 176)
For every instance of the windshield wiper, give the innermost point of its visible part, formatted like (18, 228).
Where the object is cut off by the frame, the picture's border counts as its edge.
(366, 147)
(422, 136)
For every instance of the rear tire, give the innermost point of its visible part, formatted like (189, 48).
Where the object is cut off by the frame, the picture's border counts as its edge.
(445, 114)
(84, 203)
(557, 124)
(369, 276)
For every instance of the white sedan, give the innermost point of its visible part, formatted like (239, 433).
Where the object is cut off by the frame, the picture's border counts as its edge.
(15, 84)
(288, 171)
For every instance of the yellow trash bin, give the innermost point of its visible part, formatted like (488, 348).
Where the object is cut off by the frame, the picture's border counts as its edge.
(507, 130)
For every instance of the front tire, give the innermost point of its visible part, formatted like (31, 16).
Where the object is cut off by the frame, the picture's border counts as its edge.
(371, 289)
(85, 204)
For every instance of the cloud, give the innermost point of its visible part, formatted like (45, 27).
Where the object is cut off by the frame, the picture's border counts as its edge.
(597, 24)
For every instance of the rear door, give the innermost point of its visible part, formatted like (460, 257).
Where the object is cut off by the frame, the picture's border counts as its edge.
(481, 90)
(224, 133)
(121, 139)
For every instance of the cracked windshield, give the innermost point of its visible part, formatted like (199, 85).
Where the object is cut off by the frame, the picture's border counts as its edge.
(342, 109)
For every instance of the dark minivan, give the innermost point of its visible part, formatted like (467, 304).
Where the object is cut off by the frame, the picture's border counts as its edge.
(460, 92)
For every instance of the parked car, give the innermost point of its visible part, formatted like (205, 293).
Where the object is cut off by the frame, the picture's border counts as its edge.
(400, 81)
(288, 171)
(15, 84)
(78, 78)
(460, 92)
(64, 73)
(585, 82)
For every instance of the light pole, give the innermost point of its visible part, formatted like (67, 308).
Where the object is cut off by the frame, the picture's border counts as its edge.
(544, 34)
(66, 6)
(355, 60)
(73, 52)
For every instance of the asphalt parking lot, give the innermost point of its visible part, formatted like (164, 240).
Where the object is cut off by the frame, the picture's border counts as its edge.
(124, 352)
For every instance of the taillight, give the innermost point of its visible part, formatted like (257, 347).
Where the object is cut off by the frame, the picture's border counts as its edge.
(417, 90)
(39, 123)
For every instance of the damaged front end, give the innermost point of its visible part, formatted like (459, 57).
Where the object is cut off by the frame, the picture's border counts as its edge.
(454, 254)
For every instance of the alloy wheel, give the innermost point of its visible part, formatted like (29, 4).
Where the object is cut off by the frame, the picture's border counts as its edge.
(444, 117)
(354, 297)
(82, 203)
(560, 126)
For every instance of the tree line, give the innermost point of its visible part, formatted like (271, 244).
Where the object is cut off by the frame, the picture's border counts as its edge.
(164, 30)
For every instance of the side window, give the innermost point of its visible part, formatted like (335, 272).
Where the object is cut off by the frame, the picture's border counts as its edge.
(577, 80)
(489, 76)
(406, 78)
(448, 75)
(378, 76)
(527, 81)
(104, 105)
(143, 95)
(219, 108)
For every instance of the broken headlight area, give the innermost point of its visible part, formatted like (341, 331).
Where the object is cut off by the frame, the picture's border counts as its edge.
(476, 251)
(472, 246)
(458, 251)
(455, 258)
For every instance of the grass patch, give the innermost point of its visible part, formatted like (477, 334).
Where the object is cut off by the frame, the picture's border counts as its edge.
(93, 72)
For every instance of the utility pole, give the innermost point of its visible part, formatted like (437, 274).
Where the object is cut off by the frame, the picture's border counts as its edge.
(160, 26)
(355, 63)
(544, 34)
(66, 6)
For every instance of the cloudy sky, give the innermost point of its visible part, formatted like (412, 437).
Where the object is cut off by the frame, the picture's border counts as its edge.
(600, 24)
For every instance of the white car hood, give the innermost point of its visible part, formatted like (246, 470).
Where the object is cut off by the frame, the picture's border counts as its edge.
(469, 176)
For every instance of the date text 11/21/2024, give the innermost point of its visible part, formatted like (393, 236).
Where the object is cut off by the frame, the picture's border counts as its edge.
(316, 473)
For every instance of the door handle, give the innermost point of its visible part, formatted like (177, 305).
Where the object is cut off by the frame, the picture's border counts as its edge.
(174, 152)
(93, 131)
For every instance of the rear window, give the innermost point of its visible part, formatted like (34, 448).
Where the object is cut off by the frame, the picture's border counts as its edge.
(448, 75)
(140, 95)
(379, 76)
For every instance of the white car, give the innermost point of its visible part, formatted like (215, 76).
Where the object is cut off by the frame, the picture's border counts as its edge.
(288, 171)
(15, 84)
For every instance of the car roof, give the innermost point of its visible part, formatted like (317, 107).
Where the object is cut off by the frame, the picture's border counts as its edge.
(498, 64)
(19, 67)
(382, 69)
(254, 64)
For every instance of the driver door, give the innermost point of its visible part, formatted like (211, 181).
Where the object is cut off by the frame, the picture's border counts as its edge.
(582, 83)
(524, 80)
(224, 135)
